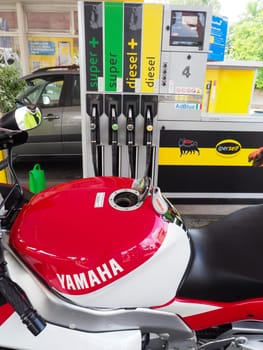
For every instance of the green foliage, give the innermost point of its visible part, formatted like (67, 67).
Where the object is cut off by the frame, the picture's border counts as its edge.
(10, 86)
(245, 38)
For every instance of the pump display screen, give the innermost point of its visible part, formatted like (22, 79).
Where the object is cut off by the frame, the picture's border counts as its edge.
(187, 28)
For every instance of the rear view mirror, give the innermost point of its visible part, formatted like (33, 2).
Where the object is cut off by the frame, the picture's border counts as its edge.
(23, 118)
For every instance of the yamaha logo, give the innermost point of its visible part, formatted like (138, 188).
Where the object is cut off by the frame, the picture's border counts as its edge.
(228, 147)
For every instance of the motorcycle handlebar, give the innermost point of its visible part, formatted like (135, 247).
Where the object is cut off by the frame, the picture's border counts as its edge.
(17, 298)
(3, 164)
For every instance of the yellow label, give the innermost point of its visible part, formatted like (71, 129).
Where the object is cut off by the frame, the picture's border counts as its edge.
(203, 157)
(151, 47)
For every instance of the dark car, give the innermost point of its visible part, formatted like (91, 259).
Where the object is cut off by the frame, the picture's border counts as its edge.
(56, 90)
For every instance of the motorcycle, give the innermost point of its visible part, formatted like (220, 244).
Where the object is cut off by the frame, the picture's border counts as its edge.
(107, 263)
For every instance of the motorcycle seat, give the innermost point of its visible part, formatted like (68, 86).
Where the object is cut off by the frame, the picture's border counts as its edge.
(227, 258)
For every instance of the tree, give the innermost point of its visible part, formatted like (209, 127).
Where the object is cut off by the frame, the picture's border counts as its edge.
(245, 39)
(10, 86)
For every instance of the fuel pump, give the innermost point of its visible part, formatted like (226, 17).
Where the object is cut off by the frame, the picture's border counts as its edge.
(137, 75)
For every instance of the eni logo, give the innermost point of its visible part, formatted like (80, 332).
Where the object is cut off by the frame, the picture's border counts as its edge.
(228, 147)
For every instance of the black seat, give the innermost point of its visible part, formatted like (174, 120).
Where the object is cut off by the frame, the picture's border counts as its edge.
(227, 260)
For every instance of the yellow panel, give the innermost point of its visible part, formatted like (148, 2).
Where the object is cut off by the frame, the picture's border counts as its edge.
(50, 51)
(151, 47)
(230, 90)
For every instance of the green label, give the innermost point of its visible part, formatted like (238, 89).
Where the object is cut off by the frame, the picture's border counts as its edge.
(94, 44)
(113, 17)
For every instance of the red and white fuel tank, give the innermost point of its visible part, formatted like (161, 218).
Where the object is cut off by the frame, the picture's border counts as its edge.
(95, 243)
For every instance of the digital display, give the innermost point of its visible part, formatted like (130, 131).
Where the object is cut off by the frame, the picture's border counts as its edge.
(187, 28)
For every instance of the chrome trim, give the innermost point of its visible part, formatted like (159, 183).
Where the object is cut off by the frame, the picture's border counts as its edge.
(114, 204)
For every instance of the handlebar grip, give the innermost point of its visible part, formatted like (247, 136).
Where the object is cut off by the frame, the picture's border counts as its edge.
(17, 298)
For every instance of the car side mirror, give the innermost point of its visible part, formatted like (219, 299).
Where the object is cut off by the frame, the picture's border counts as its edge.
(22, 118)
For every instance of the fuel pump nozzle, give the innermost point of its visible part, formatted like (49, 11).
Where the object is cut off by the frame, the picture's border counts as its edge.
(94, 131)
(130, 126)
(149, 138)
(114, 140)
(142, 186)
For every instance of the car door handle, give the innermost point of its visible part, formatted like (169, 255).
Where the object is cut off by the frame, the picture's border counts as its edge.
(51, 117)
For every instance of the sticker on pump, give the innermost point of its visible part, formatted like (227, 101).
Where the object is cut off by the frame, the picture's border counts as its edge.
(188, 90)
(188, 106)
(99, 200)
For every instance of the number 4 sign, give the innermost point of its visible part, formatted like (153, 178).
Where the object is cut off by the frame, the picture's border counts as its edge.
(186, 72)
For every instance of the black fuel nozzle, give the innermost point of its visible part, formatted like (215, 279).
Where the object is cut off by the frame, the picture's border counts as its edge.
(93, 123)
(95, 136)
(130, 139)
(94, 109)
(130, 126)
(149, 125)
(148, 132)
(114, 127)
